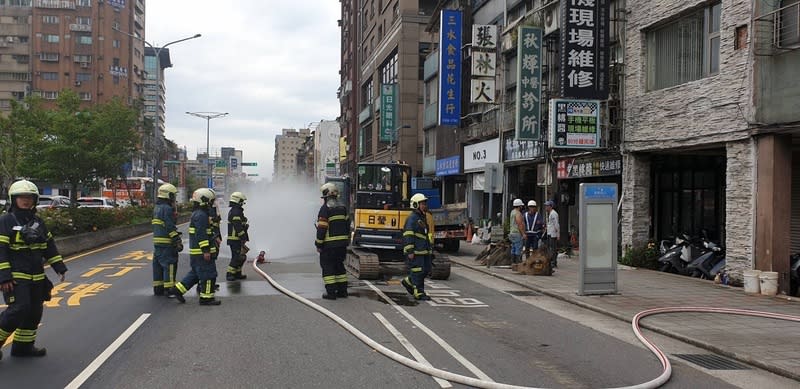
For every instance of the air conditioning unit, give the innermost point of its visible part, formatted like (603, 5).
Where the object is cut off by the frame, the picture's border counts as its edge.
(10, 39)
(84, 65)
(552, 19)
(77, 83)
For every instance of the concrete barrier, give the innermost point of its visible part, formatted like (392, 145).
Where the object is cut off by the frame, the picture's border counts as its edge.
(73, 244)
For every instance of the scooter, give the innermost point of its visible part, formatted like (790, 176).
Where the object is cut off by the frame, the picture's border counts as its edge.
(794, 274)
(676, 257)
(702, 266)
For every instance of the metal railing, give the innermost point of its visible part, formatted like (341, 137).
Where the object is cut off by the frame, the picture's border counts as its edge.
(777, 31)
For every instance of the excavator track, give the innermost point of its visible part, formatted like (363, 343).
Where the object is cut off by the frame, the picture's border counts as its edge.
(441, 267)
(362, 264)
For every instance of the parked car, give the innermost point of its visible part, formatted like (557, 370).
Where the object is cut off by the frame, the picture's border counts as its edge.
(96, 202)
(53, 201)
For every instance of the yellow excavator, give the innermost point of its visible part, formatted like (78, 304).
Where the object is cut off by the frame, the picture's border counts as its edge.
(381, 207)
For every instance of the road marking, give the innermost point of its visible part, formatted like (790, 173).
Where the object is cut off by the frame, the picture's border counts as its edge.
(460, 358)
(410, 347)
(103, 357)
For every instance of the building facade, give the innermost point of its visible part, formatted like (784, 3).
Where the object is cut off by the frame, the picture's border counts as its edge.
(326, 150)
(287, 146)
(15, 52)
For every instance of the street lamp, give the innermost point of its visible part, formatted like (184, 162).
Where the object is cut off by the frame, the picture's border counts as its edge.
(156, 129)
(208, 116)
(392, 138)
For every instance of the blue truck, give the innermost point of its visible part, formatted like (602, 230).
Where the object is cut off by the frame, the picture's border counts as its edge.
(449, 220)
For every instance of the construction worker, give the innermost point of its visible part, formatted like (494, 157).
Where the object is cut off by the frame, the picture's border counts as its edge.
(333, 233)
(25, 246)
(204, 270)
(167, 242)
(417, 247)
(237, 236)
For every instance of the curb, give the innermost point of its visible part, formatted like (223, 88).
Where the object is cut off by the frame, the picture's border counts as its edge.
(695, 342)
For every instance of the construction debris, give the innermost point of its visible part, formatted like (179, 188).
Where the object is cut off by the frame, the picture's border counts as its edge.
(495, 254)
(535, 264)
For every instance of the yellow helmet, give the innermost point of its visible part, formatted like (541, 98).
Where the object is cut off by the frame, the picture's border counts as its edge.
(238, 198)
(23, 187)
(416, 199)
(203, 197)
(167, 191)
(329, 189)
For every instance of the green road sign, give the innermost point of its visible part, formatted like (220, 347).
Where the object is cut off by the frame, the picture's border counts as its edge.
(172, 162)
(249, 163)
(252, 174)
(220, 163)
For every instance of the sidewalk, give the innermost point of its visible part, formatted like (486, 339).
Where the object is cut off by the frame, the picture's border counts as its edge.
(773, 345)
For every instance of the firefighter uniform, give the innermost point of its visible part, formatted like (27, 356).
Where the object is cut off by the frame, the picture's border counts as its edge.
(214, 232)
(25, 246)
(333, 234)
(237, 236)
(203, 272)
(417, 241)
(166, 244)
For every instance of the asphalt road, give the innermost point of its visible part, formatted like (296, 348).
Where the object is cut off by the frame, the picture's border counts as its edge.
(261, 338)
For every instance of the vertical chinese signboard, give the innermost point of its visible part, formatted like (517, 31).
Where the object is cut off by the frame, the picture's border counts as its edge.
(450, 68)
(574, 123)
(584, 49)
(484, 63)
(388, 99)
(529, 88)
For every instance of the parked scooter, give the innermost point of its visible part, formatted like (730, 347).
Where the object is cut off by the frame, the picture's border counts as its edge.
(676, 258)
(794, 274)
(706, 265)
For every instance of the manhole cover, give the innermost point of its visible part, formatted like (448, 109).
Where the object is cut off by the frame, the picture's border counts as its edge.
(712, 362)
(523, 293)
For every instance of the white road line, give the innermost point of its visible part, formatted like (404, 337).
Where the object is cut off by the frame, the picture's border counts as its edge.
(410, 347)
(460, 358)
(89, 370)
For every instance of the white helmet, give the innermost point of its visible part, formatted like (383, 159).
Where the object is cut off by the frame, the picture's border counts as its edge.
(238, 198)
(518, 203)
(23, 187)
(532, 203)
(203, 197)
(167, 191)
(329, 189)
(416, 199)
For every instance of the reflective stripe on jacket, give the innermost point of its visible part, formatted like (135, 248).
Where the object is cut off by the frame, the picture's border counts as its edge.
(415, 235)
(333, 227)
(165, 232)
(23, 261)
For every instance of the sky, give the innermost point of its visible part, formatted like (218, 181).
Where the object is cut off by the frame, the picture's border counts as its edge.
(269, 64)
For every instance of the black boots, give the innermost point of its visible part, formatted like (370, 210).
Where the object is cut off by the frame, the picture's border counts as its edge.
(407, 284)
(330, 292)
(27, 350)
(341, 290)
(158, 291)
(209, 301)
(230, 277)
(174, 292)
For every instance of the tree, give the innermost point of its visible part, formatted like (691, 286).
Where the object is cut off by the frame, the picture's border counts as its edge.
(21, 125)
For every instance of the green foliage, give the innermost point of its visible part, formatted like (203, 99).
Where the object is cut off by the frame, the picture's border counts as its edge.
(69, 221)
(644, 257)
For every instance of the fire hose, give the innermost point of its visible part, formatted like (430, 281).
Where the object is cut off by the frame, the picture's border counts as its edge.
(478, 383)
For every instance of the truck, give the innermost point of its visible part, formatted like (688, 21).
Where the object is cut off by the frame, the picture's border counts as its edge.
(449, 220)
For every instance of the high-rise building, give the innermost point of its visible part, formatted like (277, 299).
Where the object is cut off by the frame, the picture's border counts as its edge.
(286, 147)
(15, 52)
(154, 94)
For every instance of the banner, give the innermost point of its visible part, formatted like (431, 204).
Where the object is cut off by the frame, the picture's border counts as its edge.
(388, 105)
(450, 68)
(529, 87)
(575, 168)
(584, 49)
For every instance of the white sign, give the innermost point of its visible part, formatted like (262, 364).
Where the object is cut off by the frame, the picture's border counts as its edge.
(484, 64)
(484, 36)
(482, 90)
(478, 155)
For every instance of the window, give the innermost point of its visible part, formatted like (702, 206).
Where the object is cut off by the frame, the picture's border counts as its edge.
(430, 143)
(684, 50)
(49, 76)
(115, 43)
(82, 58)
(84, 21)
(85, 96)
(366, 94)
(84, 3)
(21, 58)
(51, 38)
(85, 39)
(48, 57)
(83, 77)
(49, 95)
(19, 3)
(50, 19)
(789, 23)
(388, 70)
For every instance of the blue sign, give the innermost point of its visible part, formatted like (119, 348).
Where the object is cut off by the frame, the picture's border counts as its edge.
(117, 3)
(448, 166)
(450, 68)
(234, 163)
(601, 191)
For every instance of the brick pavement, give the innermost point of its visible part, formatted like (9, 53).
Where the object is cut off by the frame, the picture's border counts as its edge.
(769, 344)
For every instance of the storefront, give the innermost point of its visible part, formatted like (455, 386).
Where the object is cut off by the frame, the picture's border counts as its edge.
(475, 158)
(453, 183)
(524, 164)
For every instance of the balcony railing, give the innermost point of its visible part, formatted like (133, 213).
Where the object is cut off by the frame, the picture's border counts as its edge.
(65, 4)
(80, 27)
(777, 31)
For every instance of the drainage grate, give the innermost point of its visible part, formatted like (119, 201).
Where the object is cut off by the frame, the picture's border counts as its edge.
(523, 293)
(712, 362)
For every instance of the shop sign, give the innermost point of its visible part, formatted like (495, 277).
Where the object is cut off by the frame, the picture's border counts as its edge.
(574, 124)
(529, 86)
(450, 68)
(388, 104)
(448, 166)
(584, 49)
(516, 150)
(573, 168)
(478, 155)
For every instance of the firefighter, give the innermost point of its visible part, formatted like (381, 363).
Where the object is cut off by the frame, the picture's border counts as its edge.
(203, 271)
(167, 242)
(333, 233)
(214, 225)
(417, 247)
(237, 236)
(25, 246)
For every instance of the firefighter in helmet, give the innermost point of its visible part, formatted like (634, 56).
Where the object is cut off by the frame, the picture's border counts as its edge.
(167, 242)
(25, 247)
(333, 233)
(204, 270)
(417, 247)
(237, 235)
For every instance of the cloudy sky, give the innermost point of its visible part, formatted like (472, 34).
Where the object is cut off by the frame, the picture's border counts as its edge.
(269, 64)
